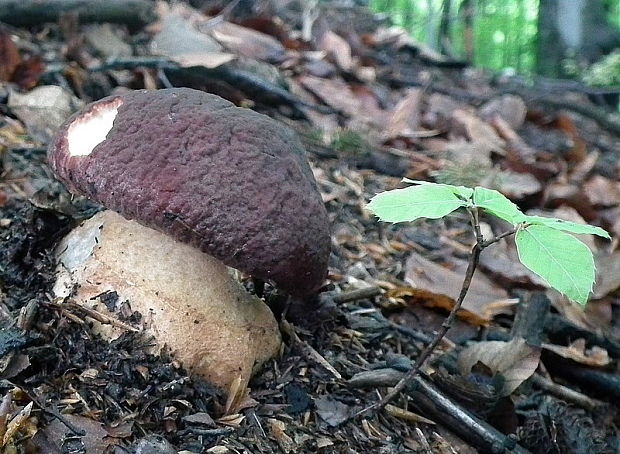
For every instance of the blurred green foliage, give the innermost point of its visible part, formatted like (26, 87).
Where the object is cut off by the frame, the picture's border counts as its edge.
(605, 72)
(504, 31)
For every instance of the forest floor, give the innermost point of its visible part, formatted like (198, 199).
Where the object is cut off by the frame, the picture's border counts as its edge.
(372, 107)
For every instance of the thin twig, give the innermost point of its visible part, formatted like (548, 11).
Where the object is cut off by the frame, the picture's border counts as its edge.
(501, 236)
(307, 350)
(447, 323)
(359, 294)
(55, 414)
(567, 394)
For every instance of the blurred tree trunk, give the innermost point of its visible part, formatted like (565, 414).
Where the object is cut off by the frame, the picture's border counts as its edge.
(445, 26)
(467, 11)
(574, 30)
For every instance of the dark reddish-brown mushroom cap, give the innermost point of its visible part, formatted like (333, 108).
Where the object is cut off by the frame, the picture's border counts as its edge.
(232, 182)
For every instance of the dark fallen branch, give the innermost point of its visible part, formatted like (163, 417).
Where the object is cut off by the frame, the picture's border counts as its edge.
(605, 384)
(561, 330)
(433, 404)
(359, 294)
(33, 12)
(606, 119)
(259, 89)
(530, 319)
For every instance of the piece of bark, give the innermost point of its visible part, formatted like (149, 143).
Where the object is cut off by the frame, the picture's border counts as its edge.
(32, 12)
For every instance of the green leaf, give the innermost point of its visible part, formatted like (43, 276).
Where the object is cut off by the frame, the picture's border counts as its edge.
(560, 224)
(462, 191)
(559, 258)
(425, 201)
(497, 204)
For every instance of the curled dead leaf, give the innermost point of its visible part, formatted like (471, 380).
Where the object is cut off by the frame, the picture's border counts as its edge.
(515, 360)
(594, 357)
(432, 277)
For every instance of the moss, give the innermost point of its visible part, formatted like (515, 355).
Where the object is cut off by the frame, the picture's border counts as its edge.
(604, 72)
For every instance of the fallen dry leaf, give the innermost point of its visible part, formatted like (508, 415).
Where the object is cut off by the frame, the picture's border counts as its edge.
(333, 92)
(594, 357)
(407, 415)
(435, 301)
(404, 119)
(439, 110)
(517, 147)
(595, 316)
(105, 39)
(200, 418)
(516, 361)
(332, 411)
(16, 424)
(480, 133)
(517, 186)
(278, 431)
(424, 274)
(510, 108)
(9, 57)
(247, 42)
(337, 94)
(565, 123)
(607, 274)
(28, 72)
(43, 109)
(180, 41)
(602, 191)
(337, 48)
(56, 438)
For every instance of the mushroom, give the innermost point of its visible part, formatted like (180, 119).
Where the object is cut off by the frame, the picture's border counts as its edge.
(200, 185)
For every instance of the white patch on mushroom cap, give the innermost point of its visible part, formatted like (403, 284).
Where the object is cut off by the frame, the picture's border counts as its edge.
(91, 128)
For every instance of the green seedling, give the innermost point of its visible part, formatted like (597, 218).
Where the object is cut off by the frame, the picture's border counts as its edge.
(543, 244)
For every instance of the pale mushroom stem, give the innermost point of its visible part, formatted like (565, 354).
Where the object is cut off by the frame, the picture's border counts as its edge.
(188, 300)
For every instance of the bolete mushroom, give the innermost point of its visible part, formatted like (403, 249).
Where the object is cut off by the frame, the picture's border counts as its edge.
(204, 185)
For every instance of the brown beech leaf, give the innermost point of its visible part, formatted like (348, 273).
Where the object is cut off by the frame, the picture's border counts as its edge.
(564, 123)
(247, 42)
(602, 191)
(518, 148)
(278, 432)
(95, 441)
(337, 48)
(594, 357)
(405, 116)
(424, 274)
(9, 57)
(510, 108)
(435, 301)
(477, 131)
(28, 72)
(516, 186)
(607, 274)
(333, 92)
(439, 110)
(595, 316)
(180, 40)
(515, 360)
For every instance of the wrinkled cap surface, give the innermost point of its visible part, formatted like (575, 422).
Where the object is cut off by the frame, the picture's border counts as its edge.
(232, 182)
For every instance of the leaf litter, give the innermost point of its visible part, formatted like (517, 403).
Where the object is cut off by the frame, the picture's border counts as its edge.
(373, 106)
